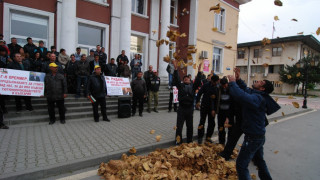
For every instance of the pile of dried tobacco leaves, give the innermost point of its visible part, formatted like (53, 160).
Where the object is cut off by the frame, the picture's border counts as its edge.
(187, 161)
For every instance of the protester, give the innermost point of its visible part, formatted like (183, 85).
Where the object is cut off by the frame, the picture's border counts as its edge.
(71, 68)
(1, 36)
(47, 58)
(225, 115)
(98, 51)
(46, 68)
(18, 64)
(4, 58)
(55, 92)
(41, 49)
(97, 90)
(185, 97)
(14, 47)
(122, 57)
(82, 72)
(54, 51)
(111, 68)
(153, 92)
(103, 56)
(171, 100)
(125, 70)
(91, 56)
(36, 62)
(170, 70)
(95, 62)
(77, 55)
(2, 125)
(255, 104)
(139, 91)
(63, 58)
(29, 47)
(135, 65)
(148, 76)
(210, 94)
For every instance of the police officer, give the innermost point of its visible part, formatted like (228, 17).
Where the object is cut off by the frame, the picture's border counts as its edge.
(185, 96)
(208, 107)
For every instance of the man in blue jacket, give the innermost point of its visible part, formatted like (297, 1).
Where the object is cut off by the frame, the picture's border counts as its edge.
(255, 103)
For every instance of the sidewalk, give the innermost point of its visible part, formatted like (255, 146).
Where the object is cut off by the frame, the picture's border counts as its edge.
(35, 151)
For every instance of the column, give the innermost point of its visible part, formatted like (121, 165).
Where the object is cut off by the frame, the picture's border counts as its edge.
(154, 25)
(193, 32)
(115, 29)
(125, 26)
(68, 26)
(164, 50)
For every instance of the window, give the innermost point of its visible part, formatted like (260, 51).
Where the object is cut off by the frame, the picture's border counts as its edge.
(275, 68)
(257, 69)
(217, 60)
(136, 46)
(241, 54)
(89, 36)
(257, 53)
(243, 69)
(138, 6)
(219, 20)
(173, 12)
(25, 25)
(173, 50)
(276, 51)
(271, 69)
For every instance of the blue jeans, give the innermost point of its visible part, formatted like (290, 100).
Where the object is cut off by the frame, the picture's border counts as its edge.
(252, 147)
(170, 79)
(82, 80)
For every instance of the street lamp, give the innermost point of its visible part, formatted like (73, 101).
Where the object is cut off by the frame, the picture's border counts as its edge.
(306, 62)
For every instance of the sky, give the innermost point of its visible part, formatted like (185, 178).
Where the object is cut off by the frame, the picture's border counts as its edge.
(256, 19)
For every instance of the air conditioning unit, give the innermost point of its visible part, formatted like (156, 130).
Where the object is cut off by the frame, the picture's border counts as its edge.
(252, 74)
(204, 55)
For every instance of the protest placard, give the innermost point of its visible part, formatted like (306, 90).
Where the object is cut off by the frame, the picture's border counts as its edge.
(175, 94)
(118, 86)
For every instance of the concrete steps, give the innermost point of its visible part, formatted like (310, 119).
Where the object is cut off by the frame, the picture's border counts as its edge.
(77, 108)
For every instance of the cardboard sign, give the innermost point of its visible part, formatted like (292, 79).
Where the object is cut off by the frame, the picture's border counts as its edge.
(175, 94)
(118, 86)
(206, 65)
(21, 83)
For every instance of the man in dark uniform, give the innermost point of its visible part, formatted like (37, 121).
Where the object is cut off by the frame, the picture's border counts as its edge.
(255, 104)
(55, 92)
(139, 90)
(97, 89)
(185, 97)
(208, 107)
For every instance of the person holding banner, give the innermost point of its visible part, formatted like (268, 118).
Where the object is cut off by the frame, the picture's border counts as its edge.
(55, 90)
(97, 90)
(18, 64)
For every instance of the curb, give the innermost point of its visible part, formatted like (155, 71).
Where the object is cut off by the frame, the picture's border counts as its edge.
(57, 169)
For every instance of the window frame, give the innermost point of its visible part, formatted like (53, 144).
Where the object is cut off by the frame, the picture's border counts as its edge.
(222, 20)
(145, 8)
(172, 50)
(175, 22)
(277, 51)
(259, 53)
(214, 61)
(238, 54)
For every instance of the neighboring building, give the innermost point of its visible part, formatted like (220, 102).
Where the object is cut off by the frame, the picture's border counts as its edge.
(265, 62)
(130, 25)
(213, 45)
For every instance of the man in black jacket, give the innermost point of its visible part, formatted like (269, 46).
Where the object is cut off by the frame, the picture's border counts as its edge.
(97, 89)
(82, 72)
(46, 68)
(55, 91)
(42, 50)
(111, 68)
(71, 75)
(29, 47)
(185, 97)
(153, 92)
(122, 57)
(139, 90)
(14, 47)
(18, 64)
(209, 91)
(95, 62)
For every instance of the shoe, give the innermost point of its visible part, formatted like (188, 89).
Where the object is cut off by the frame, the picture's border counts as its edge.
(133, 114)
(149, 111)
(51, 122)
(96, 120)
(140, 114)
(108, 120)
(62, 121)
(2, 126)
(155, 110)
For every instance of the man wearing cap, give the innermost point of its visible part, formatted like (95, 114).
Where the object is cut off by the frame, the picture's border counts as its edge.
(208, 107)
(82, 72)
(91, 56)
(29, 47)
(154, 92)
(46, 68)
(55, 91)
(97, 90)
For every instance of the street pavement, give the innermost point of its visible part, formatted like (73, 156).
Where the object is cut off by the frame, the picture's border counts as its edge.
(312, 103)
(290, 150)
(34, 151)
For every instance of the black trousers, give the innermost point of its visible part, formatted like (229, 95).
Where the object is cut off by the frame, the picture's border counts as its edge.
(51, 106)
(185, 114)
(222, 116)
(170, 103)
(204, 112)
(27, 101)
(102, 103)
(1, 117)
(3, 102)
(233, 137)
(72, 84)
(135, 100)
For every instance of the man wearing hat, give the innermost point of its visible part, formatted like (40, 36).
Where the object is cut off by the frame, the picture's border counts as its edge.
(208, 107)
(154, 92)
(55, 91)
(97, 90)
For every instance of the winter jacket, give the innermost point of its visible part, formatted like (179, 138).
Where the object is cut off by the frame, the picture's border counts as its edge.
(36, 64)
(210, 96)
(25, 66)
(125, 70)
(135, 68)
(46, 69)
(92, 64)
(82, 68)
(148, 76)
(97, 86)
(29, 48)
(111, 70)
(155, 84)
(255, 105)
(170, 68)
(63, 59)
(71, 68)
(43, 51)
(55, 86)
(139, 87)
(13, 49)
(123, 58)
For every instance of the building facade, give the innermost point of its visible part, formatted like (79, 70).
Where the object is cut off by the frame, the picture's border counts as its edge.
(217, 47)
(130, 25)
(257, 62)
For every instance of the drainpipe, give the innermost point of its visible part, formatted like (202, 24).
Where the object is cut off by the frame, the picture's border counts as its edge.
(248, 68)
